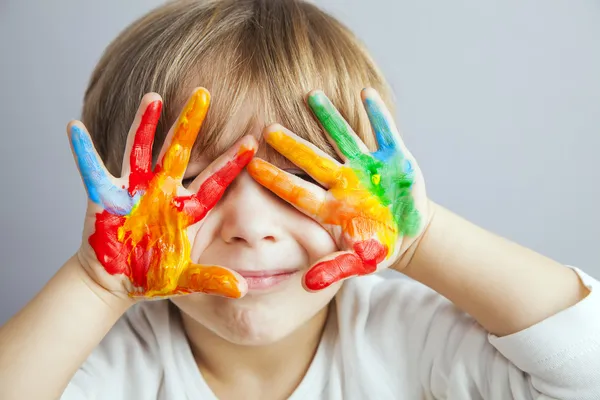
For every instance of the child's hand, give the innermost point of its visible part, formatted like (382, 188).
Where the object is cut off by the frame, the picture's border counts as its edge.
(137, 227)
(374, 205)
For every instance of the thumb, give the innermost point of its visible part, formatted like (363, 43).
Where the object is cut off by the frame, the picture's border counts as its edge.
(212, 279)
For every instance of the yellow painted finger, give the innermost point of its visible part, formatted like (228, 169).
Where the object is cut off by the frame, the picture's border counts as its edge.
(319, 165)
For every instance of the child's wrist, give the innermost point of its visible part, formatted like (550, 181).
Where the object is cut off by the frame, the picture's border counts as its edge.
(403, 263)
(116, 302)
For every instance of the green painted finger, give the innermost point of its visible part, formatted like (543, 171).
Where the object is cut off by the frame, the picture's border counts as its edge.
(334, 124)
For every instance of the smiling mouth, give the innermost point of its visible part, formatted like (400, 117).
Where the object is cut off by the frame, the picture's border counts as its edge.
(262, 280)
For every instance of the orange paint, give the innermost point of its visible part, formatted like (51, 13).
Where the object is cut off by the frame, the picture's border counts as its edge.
(367, 204)
(348, 204)
(150, 244)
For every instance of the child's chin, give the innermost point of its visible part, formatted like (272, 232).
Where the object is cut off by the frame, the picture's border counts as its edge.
(253, 330)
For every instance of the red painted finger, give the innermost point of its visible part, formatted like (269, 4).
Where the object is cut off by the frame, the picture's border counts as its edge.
(215, 180)
(345, 264)
(140, 157)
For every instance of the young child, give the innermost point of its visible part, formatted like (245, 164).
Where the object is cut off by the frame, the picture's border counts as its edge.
(270, 223)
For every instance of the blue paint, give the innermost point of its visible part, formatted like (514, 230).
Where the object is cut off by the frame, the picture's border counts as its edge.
(387, 142)
(98, 184)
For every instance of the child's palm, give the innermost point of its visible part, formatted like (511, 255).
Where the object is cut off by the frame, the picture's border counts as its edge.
(374, 204)
(138, 226)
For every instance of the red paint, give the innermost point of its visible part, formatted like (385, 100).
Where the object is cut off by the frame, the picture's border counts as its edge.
(371, 251)
(140, 259)
(111, 253)
(367, 254)
(212, 189)
(120, 257)
(150, 245)
(192, 206)
(140, 159)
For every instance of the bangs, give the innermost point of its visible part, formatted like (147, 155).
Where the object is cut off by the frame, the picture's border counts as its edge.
(261, 68)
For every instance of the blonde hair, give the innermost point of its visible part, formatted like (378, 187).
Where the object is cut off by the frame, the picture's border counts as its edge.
(258, 58)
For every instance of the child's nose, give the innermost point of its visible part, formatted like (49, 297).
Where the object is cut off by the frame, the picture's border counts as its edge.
(249, 213)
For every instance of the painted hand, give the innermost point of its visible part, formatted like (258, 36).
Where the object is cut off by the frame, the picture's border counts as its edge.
(138, 226)
(374, 204)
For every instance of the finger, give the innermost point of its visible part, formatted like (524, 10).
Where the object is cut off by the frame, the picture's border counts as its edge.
(306, 197)
(98, 182)
(319, 165)
(180, 140)
(137, 163)
(212, 279)
(214, 180)
(347, 143)
(386, 133)
(362, 260)
(336, 267)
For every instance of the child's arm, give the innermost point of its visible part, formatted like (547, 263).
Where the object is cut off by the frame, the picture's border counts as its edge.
(42, 346)
(504, 286)
(375, 206)
(135, 246)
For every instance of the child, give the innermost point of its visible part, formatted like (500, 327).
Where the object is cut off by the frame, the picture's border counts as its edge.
(271, 224)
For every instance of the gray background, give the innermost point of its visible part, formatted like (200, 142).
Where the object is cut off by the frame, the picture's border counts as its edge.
(499, 102)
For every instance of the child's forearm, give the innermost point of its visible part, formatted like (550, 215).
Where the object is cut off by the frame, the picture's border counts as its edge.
(42, 346)
(504, 286)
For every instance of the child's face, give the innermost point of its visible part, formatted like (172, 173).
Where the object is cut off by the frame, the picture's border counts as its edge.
(272, 244)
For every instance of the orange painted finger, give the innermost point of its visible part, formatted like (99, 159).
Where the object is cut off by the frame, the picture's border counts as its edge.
(306, 197)
(183, 135)
(212, 279)
(319, 165)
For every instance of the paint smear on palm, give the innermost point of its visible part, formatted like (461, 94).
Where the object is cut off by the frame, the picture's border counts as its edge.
(370, 195)
(142, 231)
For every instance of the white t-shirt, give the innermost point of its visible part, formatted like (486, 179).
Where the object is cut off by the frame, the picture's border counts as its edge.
(385, 339)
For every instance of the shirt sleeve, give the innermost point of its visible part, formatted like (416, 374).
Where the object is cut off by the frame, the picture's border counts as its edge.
(562, 353)
(422, 337)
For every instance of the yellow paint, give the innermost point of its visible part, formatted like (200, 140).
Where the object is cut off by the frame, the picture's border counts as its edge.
(322, 169)
(349, 204)
(171, 270)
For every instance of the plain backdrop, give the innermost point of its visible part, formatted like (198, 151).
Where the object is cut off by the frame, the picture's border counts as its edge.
(498, 101)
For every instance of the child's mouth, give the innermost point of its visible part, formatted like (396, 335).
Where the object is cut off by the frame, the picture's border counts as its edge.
(262, 280)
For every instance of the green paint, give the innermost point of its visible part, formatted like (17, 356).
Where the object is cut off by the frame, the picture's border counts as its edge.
(393, 189)
(335, 125)
(384, 178)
